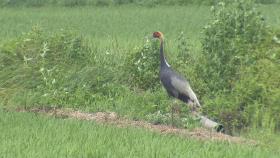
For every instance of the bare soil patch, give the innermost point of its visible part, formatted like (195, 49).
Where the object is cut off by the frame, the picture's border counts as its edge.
(114, 119)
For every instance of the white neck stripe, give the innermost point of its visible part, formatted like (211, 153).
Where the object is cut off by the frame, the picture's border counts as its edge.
(166, 62)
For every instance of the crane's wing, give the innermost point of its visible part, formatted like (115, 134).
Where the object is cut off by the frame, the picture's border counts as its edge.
(184, 88)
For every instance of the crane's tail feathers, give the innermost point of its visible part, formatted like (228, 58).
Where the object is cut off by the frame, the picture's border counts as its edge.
(197, 104)
(193, 97)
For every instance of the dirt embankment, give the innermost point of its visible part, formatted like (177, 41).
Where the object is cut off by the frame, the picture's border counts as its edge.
(114, 119)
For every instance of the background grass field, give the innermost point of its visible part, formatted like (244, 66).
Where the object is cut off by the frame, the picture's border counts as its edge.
(124, 24)
(96, 81)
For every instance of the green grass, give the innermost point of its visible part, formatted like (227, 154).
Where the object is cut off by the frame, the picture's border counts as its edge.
(117, 30)
(124, 24)
(31, 135)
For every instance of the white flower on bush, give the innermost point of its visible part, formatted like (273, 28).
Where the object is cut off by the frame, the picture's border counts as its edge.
(53, 81)
(107, 52)
(276, 39)
(138, 61)
(212, 8)
(45, 95)
(45, 49)
(221, 4)
(26, 59)
(216, 21)
(27, 39)
(41, 69)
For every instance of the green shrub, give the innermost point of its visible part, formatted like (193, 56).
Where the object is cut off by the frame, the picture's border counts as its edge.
(236, 28)
(240, 67)
(37, 61)
(254, 99)
(188, 64)
(143, 66)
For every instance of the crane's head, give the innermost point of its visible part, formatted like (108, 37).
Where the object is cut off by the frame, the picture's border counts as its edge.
(158, 35)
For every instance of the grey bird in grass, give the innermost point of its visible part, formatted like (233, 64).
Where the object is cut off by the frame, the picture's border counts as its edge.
(176, 85)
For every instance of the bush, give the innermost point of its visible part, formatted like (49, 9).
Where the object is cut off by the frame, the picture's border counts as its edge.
(242, 91)
(188, 64)
(143, 66)
(43, 63)
(254, 99)
(34, 52)
(234, 29)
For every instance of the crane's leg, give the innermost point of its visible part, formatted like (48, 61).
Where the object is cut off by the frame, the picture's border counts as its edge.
(193, 107)
(174, 108)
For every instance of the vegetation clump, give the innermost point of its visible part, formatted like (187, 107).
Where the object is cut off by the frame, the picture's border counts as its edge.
(143, 66)
(43, 65)
(240, 57)
(62, 70)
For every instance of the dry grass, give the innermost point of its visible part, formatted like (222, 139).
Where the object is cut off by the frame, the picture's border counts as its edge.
(114, 119)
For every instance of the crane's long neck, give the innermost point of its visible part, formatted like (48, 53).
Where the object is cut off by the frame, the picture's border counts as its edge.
(163, 62)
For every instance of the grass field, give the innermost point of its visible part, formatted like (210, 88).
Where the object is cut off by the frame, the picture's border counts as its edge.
(29, 135)
(126, 25)
(113, 33)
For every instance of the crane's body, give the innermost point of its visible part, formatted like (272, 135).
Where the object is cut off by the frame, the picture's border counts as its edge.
(176, 85)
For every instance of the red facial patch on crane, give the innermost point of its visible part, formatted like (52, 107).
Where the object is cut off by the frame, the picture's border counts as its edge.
(157, 34)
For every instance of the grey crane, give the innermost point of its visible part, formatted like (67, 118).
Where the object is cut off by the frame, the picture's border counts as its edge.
(177, 86)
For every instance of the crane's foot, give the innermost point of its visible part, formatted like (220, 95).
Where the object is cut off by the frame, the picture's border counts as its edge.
(193, 107)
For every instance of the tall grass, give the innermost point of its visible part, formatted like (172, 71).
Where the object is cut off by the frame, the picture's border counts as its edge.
(29, 135)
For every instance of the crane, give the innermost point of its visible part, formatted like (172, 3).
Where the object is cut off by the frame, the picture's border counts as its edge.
(178, 87)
